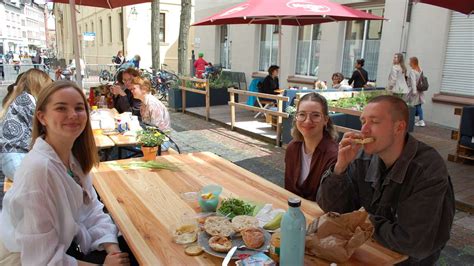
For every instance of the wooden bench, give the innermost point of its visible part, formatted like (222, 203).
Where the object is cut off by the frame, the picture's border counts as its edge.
(462, 152)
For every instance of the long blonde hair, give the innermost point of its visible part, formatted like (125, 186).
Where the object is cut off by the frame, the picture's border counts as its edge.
(401, 62)
(32, 81)
(315, 97)
(84, 149)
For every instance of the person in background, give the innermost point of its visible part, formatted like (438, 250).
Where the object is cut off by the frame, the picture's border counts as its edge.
(51, 215)
(122, 96)
(119, 58)
(127, 76)
(270, 83)
(415, 98)
(83, 67)
(337, 79)
(136, 61)
(401, 182)
(360, 76)
(397, 83)
(16, 119)
(152, 110)
(37, 60)
(10, 89)
(200, 65)
(313, 148)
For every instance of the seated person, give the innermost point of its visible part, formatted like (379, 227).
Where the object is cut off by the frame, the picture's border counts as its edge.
(122, 96)
(127, 77)
(270, 83)
(153, 111)
(16, 119)
(337, 80)
(401, 182)
(313, 148)
(52, 214)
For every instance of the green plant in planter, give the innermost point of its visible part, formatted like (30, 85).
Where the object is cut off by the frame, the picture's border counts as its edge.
(291, 110)
(150, 137)
(220, 83)
(357, 102)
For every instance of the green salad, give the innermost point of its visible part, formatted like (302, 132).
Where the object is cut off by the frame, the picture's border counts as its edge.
(232, 207)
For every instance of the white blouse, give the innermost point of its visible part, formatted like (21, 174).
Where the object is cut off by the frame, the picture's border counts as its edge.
(154, 113)
(396, 81)
(44, 211)
(305, 165)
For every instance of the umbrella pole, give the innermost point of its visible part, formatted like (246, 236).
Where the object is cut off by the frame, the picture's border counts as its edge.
(279, 42)
(72, 6)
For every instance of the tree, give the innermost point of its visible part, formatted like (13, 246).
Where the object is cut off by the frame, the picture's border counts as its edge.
(155, 33)
(183, 37)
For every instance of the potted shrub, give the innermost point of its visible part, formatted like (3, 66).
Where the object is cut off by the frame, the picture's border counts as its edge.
(150, 140)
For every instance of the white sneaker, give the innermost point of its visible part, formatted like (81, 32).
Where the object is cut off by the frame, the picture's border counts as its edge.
(420, 123)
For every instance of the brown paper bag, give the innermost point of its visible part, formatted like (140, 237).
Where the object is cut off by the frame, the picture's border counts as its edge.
(335, 237)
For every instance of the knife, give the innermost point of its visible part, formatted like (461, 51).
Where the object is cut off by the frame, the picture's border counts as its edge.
(229, 255)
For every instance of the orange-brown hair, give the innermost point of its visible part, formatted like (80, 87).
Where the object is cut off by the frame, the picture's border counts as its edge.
(414, 61)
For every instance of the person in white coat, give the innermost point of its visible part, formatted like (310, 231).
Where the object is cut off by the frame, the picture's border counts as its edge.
(52, 210)
(397, 83)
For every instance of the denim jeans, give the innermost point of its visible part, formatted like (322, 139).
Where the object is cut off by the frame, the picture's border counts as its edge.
(165, 145)
(10, 162)
(419, 111)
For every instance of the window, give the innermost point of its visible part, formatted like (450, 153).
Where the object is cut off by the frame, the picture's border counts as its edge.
(101, 31)
(121, 26)
(225, 47)
(307, 57)
(110, 29)
(162, 27)
(92, 30)
(268, 47)
(363, 41)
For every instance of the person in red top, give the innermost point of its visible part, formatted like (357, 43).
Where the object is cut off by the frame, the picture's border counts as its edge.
(200, 65)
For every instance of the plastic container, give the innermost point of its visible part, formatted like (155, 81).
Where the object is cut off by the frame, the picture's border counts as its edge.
(208, 198)
(293, 231)
(274, 250)
(95, 121)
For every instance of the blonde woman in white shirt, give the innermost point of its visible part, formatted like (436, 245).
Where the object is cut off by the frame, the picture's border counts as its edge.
(396, 81)
(52, 205)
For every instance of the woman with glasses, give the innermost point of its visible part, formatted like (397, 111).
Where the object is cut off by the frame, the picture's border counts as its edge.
(313, 148)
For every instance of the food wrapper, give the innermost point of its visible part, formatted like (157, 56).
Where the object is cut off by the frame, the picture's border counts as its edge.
(335, 237)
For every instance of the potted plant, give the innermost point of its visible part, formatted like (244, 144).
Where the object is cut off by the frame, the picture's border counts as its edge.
(150, 140)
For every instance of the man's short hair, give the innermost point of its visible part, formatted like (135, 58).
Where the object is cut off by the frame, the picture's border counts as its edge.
(398, 107)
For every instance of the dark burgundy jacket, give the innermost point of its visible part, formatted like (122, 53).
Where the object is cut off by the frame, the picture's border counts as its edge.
(324, 156)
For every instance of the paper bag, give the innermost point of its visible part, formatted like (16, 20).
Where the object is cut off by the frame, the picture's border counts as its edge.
(335, 237)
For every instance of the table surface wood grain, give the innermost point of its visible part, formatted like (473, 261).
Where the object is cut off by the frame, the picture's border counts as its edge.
(145, 204)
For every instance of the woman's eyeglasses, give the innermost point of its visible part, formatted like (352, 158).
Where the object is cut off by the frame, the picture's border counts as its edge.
(313, 117)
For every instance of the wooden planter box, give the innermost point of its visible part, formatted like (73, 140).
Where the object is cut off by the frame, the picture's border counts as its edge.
(217, 97)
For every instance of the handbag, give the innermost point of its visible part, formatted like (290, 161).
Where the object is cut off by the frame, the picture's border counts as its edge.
(365, 81)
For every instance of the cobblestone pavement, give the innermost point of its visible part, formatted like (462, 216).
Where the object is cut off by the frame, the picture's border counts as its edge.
(195, 134)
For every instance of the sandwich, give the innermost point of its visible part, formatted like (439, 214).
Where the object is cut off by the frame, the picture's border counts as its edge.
(364, 140)
(220, 243)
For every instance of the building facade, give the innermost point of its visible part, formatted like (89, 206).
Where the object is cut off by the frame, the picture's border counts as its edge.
(126, 29)
(22, 27)
(442, 40)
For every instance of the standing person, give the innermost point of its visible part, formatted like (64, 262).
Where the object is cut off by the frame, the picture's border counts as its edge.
(37, 60)
(415, 98)
(16, 119)
(359, 76)
(200, 65)
(153, 111)
(271, 83)
(313, 148)
(401, 182)
(397, 83)
(52, 204)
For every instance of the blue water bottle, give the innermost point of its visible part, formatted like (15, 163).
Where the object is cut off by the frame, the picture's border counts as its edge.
(293, 231)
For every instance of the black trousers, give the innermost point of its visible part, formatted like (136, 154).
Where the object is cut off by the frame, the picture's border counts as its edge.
(98, 257)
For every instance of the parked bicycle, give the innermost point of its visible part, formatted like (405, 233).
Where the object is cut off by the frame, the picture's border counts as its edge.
(165, 79)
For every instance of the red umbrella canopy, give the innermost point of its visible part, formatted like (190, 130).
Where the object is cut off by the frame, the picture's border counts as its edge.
(290, 12)
(463, 6)
(103, 3)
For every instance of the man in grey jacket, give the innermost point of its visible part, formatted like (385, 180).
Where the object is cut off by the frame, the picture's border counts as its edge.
(401, 182)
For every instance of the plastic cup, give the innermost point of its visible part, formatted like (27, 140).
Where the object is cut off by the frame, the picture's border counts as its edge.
(209, 204)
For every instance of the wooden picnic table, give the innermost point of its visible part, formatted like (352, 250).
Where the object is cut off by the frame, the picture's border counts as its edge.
(103, 141)
(123, 140)
(146, 203)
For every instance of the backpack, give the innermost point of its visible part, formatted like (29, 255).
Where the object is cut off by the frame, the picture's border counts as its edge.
(422, 84)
